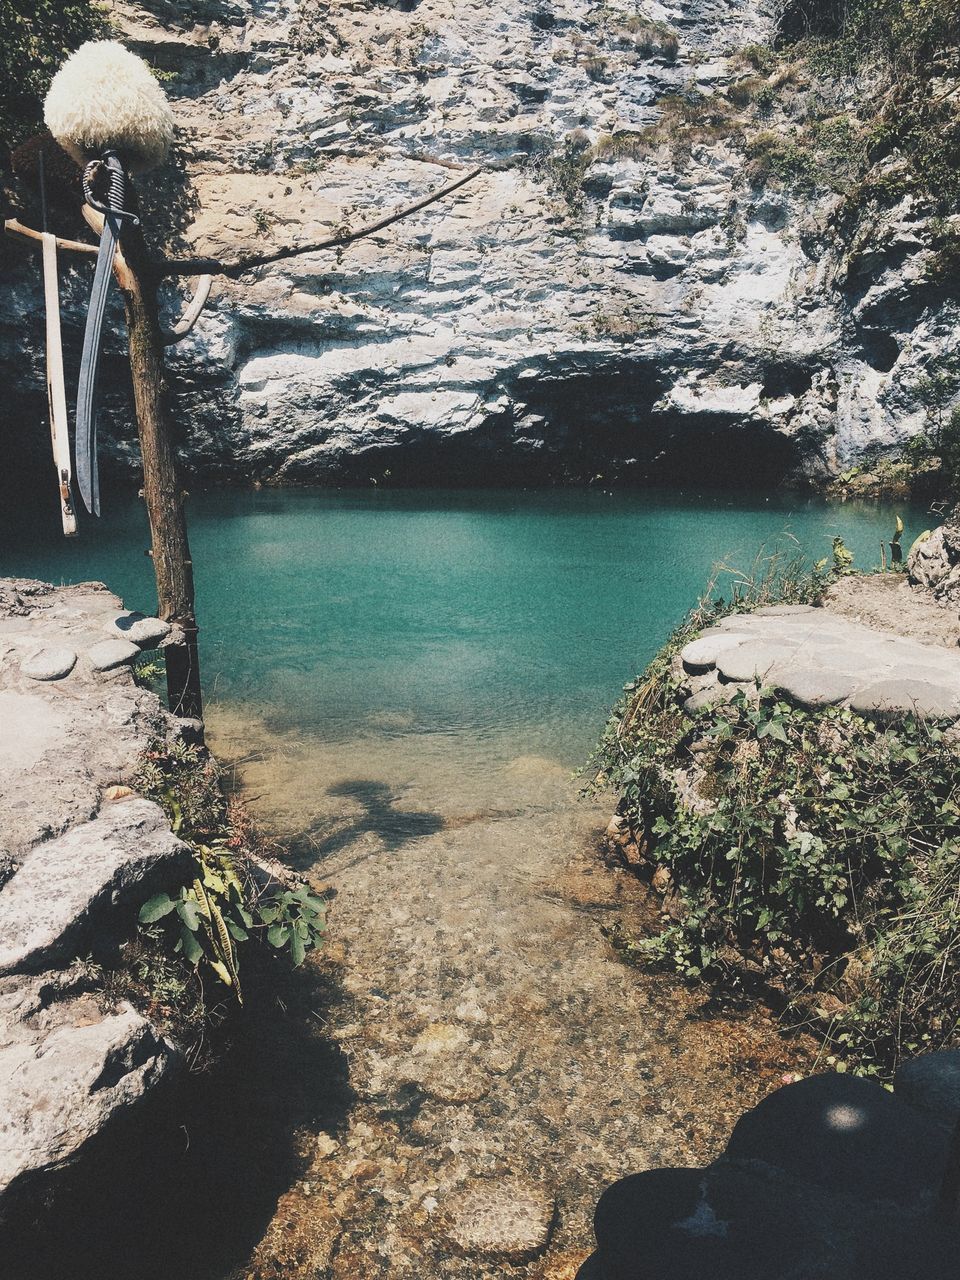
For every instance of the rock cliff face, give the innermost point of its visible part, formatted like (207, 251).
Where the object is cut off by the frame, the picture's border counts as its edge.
(603, 299)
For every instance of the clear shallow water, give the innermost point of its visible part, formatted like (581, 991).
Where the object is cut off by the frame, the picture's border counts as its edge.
(426, 638)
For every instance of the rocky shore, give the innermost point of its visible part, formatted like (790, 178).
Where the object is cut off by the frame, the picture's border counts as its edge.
(80, 853)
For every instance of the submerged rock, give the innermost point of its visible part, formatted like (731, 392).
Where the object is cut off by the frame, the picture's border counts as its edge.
(506, 1219)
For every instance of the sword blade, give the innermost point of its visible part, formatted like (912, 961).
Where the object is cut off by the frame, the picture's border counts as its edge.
(88, 472)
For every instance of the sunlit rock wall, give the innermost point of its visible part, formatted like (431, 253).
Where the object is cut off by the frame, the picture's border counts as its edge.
(659, 317)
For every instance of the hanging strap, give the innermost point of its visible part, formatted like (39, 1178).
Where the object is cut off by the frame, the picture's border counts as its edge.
(56, 393)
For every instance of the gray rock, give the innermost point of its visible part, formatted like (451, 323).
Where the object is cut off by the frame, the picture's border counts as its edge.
(29, 728)
(893, 698)
(753, 659)
(66, 1069)
(847, 1135)
(709, 697)
(112, 653)
(53, 904)
(139, 629)
(49, 664)
(701, 655)
(783, 610)
(507, 1219)
(813, 687)
(301, 372)
(932, 1083)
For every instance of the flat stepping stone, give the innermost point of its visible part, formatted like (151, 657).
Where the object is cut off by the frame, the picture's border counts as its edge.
(814, 687)
(51, 907)
(752, 659)
(503, 1219)
(139, 629)
(112, 653)
(700, 656)
(783, 610)
(893, 698)
(49, 664)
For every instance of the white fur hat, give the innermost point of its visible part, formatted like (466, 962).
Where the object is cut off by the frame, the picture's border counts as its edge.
(105, 98)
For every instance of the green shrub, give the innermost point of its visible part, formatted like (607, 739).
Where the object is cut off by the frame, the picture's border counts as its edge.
(814, 851)
(219, 904)
(911, 46)
(35, 37)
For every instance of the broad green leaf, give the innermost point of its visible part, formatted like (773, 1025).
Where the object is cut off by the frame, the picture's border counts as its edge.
(155, 908)
(278, 935)
(297, 950)
(192, 949)
(189, 913)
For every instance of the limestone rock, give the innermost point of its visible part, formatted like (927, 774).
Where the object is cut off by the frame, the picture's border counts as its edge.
(112, 653)
(626, 328)
(752, 659)
(53, 904)
(894, 698)
(49, 664)
(508, 1219)
(138, 629)
(814, 687)
(66, 1068)
(935, 562)
(701, 655)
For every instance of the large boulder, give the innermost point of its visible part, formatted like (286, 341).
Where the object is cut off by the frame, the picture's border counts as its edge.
(80, 882)
(935, 562)
(67, 1067)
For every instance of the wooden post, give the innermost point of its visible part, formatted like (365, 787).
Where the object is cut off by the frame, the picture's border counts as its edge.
(139, 278)
(162, 490)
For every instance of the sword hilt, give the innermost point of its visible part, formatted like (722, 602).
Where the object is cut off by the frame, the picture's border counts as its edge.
(116, 188)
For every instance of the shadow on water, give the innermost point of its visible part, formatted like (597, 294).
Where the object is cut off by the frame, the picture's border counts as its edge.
(378, 816)
(187, 1185)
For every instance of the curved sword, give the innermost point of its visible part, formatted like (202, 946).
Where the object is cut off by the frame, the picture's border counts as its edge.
(88, 472)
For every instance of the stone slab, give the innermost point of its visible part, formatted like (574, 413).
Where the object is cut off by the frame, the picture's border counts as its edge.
(812, 687)
(49, 664)
(53, 904)
(29, 728)
(752, 659)
(138, 629)
(894, 698)
(701, 655)
(112, 653)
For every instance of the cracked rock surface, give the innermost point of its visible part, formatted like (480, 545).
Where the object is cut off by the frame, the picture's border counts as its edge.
(73, 868)
(663, 309)
(816, 658)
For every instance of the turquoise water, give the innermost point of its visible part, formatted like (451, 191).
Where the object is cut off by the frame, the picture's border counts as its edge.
(366, 652)
(437, 633)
